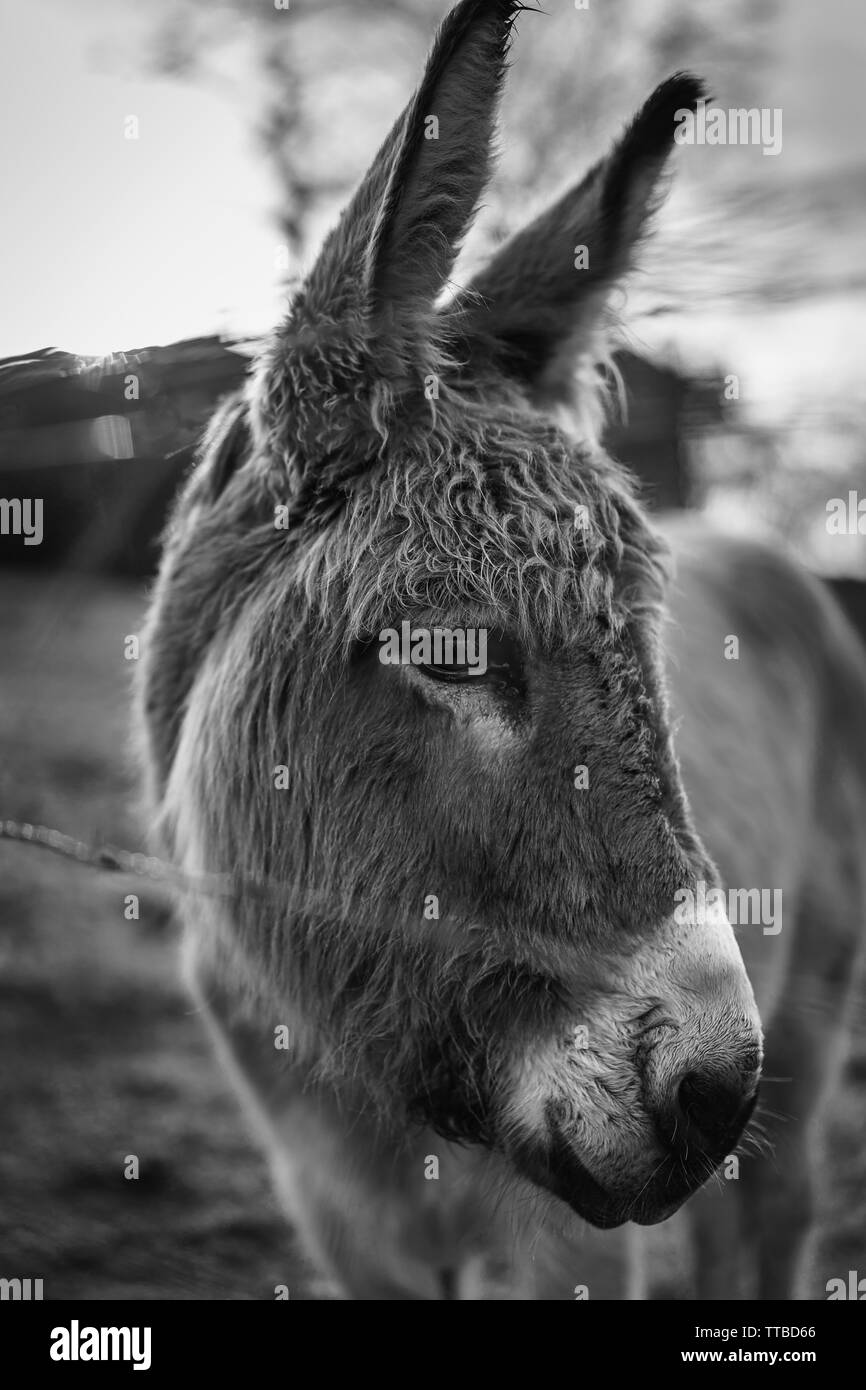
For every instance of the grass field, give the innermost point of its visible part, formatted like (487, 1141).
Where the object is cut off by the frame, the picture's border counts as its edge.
(101, 1053)
(103, 1056)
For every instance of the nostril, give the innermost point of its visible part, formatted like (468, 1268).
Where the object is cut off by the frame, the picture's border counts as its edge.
(712, 1111)
(706, 1103)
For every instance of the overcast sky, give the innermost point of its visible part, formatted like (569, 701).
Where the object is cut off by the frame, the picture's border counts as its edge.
(109, 243)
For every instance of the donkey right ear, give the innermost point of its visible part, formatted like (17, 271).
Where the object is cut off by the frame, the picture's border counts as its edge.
(397, 241)
(534, 308)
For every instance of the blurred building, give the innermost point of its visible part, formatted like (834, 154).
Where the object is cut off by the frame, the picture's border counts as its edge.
(104, 441)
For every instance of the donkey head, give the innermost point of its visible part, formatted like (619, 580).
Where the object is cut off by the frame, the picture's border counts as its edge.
(483, 933)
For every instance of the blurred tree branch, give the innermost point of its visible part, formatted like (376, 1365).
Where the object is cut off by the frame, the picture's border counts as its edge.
(283, 111)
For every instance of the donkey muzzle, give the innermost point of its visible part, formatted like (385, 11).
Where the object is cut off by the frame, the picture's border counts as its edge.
(627, 1124)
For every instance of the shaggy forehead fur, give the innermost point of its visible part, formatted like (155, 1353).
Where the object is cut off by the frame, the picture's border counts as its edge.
(480, 524)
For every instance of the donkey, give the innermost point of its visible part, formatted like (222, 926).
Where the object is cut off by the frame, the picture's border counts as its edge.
(451, 972)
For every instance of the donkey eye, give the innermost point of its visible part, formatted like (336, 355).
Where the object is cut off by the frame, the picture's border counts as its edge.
(452, 673)
(502, 666)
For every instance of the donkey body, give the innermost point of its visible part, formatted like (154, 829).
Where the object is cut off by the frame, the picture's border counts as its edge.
(458, 899)
(772, 754)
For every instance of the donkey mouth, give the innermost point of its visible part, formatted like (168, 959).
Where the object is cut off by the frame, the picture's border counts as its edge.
(670, 1189)
(556, 1168)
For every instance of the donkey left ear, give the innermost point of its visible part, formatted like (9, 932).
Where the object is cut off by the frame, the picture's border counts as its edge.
(443, 158)
(398, 239)
(363, 324)
(534, 307)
